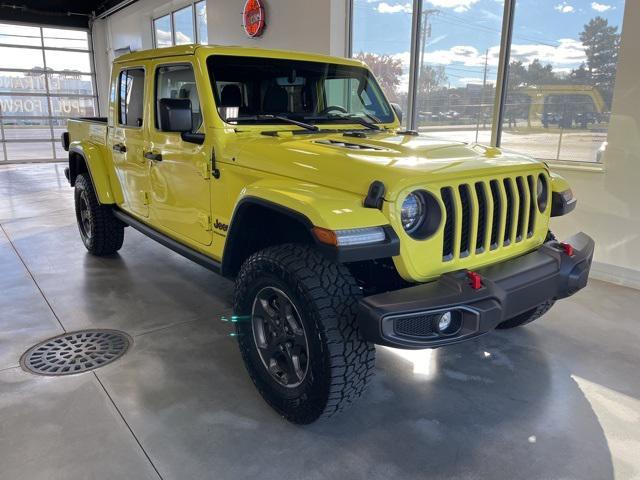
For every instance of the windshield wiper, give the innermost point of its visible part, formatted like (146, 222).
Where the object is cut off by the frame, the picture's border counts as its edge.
(282, 118)
(359, 119)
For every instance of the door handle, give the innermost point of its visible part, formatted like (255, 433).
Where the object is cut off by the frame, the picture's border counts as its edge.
(157, 157)
(120, 148)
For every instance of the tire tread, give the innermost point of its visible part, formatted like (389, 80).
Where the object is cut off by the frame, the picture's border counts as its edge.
(334, 293)
(108, 231)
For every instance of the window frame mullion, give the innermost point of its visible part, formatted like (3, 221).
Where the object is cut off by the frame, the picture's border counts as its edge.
(502, 79)
(414, 67)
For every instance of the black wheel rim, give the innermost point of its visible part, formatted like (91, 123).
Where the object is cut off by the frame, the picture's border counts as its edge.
(84, 215)
(280, 337)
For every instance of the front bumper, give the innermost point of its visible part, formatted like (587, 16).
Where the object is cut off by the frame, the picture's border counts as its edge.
(407, 318)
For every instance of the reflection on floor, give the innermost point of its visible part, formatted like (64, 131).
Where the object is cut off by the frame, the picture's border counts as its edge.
(557, 399)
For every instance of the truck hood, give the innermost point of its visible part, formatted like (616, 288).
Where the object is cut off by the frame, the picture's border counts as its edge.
(351, 163)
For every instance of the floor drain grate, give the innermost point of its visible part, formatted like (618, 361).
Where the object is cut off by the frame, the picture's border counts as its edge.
(76, 352)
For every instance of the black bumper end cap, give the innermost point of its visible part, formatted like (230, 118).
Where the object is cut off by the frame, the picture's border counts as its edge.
(562, 204)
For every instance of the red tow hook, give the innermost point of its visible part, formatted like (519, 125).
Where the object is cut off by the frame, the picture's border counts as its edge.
(475, 279)
(567, 248)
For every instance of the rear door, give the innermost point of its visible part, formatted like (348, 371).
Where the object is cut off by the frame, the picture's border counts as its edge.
(126, 139)
(180, 170)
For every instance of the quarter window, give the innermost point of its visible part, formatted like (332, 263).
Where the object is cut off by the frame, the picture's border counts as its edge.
(131, 97)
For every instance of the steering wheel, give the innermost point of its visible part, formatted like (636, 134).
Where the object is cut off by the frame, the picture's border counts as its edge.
(331, 108)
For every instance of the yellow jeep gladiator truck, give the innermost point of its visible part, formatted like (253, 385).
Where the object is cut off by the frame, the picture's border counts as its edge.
(291, 174)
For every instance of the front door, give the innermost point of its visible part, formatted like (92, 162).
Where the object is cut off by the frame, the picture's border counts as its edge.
(179, 170)
(126, 140)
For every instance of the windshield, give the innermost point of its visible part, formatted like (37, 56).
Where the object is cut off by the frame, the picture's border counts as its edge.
(251, 90)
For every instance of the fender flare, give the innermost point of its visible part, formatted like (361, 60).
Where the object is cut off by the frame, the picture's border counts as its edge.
(284, 203)
(558, 183)
(93, 158)
(562, 199)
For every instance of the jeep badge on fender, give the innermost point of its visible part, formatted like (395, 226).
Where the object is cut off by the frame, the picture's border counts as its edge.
(220, 226)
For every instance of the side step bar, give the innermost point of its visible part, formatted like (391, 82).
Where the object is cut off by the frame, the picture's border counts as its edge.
(193, 255)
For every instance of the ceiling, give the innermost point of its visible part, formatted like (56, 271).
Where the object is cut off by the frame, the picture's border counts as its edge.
(71, 13)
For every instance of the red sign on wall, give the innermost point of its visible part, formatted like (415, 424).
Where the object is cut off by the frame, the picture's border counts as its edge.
(253, 18)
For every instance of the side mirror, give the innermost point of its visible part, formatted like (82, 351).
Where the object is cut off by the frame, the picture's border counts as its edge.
(398, 110)
(174, 115)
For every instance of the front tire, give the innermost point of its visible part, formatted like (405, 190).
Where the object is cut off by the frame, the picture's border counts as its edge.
(101, 232)
(298, 334)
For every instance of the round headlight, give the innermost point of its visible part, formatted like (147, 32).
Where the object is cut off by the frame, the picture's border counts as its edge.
(542, 196)
(413, 212)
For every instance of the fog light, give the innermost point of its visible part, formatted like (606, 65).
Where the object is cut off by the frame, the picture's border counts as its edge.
(444, 322)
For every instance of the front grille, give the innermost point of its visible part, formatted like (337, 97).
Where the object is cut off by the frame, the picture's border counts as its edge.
(487, 215)
(447, 242)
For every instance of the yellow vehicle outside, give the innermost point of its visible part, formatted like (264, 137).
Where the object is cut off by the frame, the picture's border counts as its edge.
(586, 96)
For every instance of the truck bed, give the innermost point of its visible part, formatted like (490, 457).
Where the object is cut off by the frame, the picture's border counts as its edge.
(93, 129)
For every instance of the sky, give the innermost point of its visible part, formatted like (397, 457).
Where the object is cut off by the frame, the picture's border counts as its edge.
(463, 31)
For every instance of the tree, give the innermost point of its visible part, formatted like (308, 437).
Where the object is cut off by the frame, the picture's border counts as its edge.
(581, 76)
(387, 70)
(537, 74)
(601, 43)
(517, 75)
(431, 80)
(530, 75)
(520, 76)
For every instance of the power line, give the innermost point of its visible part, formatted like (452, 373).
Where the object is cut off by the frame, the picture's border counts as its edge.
(454, 19)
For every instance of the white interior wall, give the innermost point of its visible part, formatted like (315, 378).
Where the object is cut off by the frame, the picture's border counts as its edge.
(305, 25)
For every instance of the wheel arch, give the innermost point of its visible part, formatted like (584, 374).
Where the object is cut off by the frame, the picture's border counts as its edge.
(256, 224)
(88, 158)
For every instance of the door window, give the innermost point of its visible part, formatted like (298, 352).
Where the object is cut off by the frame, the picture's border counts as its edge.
(131, 97)
(178, 81)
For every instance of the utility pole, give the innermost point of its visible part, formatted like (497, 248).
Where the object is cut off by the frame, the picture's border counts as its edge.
(484, 84)
(421, 31)
(425, 31)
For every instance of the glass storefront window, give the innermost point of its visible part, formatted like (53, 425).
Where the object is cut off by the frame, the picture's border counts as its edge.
(23, 106)
(46, 77)
(31, 150)
(21, 58)
(561, 80)
(201, 22)
(20, 35)
(458, 59)
(559, 83)
(381, 38)
(72, 107)
(183, 26)
(70, 83)
(24, 128)
(162, 31)
(23, 82)
(62, 60)
(63, 38)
